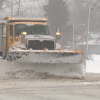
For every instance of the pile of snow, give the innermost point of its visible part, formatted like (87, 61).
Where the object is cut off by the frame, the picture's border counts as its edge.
(93, 66)
(95, 36)
(91, 42)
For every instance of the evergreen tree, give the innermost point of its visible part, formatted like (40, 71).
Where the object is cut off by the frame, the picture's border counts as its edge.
(57, 14)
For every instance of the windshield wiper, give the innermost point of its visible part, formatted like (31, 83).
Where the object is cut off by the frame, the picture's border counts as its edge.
(31, 30)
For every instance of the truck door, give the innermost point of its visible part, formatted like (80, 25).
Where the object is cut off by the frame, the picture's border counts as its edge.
(1, 39)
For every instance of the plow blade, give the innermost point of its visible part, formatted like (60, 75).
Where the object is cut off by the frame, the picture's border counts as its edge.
(45, 57)
(43, 65)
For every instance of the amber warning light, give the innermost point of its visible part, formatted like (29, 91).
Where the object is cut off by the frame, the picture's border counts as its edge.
(44, 18)
(9, 18)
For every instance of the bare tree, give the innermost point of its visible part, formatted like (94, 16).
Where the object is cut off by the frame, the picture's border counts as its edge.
(24, 8)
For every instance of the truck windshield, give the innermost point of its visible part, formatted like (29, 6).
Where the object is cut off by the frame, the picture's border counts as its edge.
(32, 29)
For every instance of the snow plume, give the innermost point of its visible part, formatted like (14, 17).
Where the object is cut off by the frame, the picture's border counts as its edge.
(28, 8)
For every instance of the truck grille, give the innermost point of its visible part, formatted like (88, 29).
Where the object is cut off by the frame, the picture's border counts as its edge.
(38, 45)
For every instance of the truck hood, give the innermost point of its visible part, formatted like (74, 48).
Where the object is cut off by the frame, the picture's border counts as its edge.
(32, 37)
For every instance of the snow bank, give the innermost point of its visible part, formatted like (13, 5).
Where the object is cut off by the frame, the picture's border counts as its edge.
(93, 66)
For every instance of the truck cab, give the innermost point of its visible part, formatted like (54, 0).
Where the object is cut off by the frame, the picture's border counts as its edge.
(25, 34)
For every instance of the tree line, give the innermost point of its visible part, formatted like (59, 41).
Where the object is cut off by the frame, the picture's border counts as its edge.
(61, 14)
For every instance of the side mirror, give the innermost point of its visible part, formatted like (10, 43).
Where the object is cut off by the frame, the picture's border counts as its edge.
(58, 34)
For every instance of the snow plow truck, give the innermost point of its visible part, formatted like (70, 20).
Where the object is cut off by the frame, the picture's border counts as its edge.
(29, 50)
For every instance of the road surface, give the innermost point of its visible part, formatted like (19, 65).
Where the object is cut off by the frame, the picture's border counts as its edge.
(55, 88)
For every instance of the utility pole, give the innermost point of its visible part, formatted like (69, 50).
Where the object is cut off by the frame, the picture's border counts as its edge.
(11, 8)
(19, 9)
(88, 26)
(73, 36)
(32, 7)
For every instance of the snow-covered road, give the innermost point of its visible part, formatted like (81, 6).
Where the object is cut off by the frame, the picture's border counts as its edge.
(56, 88)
